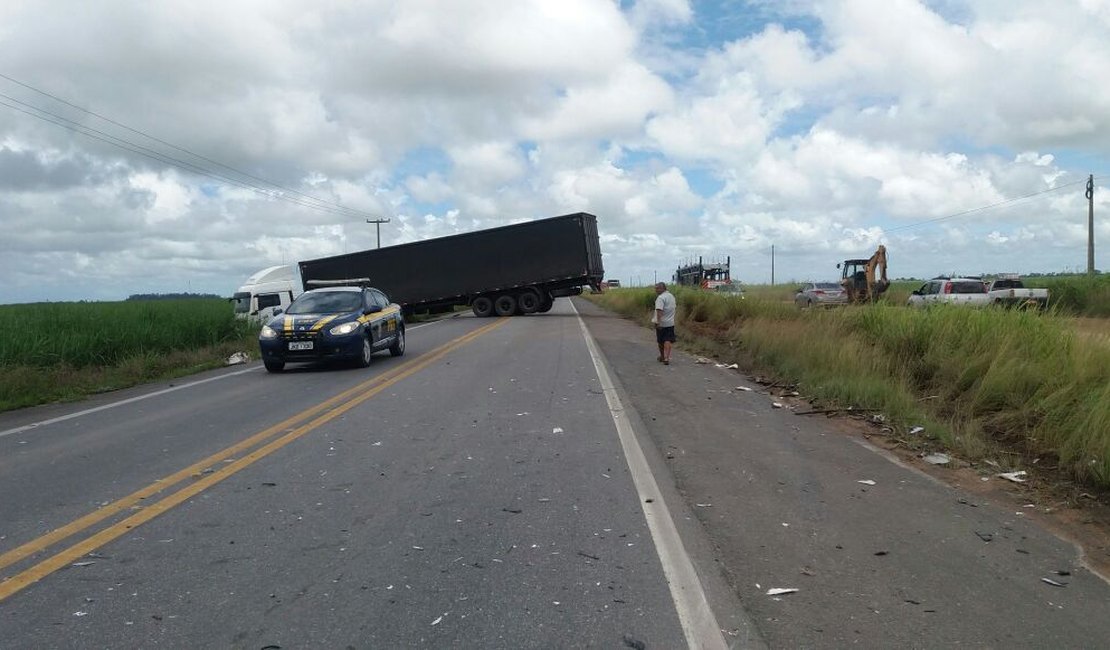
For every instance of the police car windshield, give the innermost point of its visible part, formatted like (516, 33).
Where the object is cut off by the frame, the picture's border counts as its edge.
(327, 302)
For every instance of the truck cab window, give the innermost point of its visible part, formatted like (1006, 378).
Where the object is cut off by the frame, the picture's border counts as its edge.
(269, 300)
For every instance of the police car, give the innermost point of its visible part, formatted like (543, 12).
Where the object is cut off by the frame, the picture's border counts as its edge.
(334, 323)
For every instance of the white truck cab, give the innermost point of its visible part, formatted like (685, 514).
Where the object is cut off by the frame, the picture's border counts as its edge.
(271, 288)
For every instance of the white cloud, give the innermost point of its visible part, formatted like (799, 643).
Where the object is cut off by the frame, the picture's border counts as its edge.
(827, 129)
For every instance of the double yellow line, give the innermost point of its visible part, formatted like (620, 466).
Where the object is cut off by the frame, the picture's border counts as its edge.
(315, 416)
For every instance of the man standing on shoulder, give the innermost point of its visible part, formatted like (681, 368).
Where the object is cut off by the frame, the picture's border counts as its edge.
(664, 321)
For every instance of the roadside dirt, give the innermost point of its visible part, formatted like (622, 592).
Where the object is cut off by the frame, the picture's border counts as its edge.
(1074, 512)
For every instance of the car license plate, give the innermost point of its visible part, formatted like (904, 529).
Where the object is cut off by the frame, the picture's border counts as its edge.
(300, 345)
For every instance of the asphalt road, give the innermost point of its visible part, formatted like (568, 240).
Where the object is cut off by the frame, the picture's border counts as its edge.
(503, 485)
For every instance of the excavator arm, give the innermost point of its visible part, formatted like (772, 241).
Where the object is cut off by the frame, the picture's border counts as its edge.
(877, 261)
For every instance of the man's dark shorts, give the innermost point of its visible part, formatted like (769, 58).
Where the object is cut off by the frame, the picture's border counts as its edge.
(664, 334)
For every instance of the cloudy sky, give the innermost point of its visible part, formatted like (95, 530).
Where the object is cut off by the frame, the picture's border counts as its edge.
(181, 145)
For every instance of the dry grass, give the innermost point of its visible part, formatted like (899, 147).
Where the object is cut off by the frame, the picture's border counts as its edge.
(976, 379)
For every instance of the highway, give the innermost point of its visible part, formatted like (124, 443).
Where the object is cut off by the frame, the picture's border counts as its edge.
(531, 482)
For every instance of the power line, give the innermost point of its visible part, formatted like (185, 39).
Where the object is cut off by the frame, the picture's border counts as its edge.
(985, 207)
(308, 201)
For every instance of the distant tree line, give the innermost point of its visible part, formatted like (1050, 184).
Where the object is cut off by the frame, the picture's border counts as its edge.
(173, 296)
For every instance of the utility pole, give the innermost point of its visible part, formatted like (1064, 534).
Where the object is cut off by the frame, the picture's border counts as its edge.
(378, 223)
(1091, 224)
(772, 264)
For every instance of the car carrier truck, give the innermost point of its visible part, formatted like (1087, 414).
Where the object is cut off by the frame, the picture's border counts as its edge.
(516, 269)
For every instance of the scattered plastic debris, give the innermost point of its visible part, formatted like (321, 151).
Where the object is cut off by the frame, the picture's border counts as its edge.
(1016, 477)
(704, 505)
(557, 430)
(1052, 582)
(238, 358)
(776, 405)
(744, 388)
(938, 459)
(80, 564)
(779, 591)
(418, 548)
(866, 482)
(701, 360)
(377, 444)
(80, 613)
(916, 430)
(438, 619)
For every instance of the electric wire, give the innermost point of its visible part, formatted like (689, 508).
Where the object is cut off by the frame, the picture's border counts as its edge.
(306, 200)
(985, 207)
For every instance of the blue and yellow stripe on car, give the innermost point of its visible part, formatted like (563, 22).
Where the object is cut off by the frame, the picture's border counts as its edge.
(389, 311)
(323, 321)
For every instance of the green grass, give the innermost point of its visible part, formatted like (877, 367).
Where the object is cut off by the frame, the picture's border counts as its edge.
(62, 351)
(976, 379)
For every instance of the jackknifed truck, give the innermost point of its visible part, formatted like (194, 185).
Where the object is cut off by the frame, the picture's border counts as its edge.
(503, 271)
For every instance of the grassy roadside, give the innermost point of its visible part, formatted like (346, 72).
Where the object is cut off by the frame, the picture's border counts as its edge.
(976, 380)
(65, 351)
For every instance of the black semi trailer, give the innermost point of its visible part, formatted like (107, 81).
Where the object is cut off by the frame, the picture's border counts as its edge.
(517, 269)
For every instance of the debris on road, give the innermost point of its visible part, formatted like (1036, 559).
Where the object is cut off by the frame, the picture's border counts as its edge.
(986, 537)
(866, 482)
(557, 430)
(704, 505)
(776, 405)
(1053, 582)
(1016, 477)
(701, 360)
(744, 388)
(937, 459)
(916, 430)
(778, 591)
(81, 564)
(438, 619)
(238, 358)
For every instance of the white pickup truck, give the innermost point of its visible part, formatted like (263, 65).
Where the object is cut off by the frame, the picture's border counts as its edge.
(967, 292)
(1008, 290)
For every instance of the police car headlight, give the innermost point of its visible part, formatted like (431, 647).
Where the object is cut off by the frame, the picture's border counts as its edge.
(345, 328)
(267, 333)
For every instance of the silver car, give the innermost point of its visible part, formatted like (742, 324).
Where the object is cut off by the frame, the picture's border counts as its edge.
(820, 294)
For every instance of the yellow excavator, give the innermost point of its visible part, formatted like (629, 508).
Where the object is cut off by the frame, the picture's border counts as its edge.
(858, 277)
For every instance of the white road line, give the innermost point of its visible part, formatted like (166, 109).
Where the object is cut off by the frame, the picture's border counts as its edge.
(697, 619)
(104, 407)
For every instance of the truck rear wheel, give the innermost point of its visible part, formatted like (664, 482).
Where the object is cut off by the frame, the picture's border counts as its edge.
(528, 301)
(482, 306)
(505, 305)
(546, 304)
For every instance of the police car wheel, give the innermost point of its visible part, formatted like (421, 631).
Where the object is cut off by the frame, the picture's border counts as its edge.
(367, 353)
(274, 366)
(398, 347)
